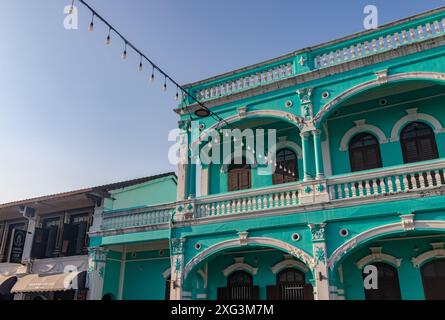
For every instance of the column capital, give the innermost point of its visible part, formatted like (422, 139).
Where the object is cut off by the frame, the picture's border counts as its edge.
(98, 254)
(318, 231)
(316, 132)
(305, 134)
(178, 246)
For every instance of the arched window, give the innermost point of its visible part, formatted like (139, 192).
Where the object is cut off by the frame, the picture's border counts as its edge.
(433, 278)
(388, 287)
(291, 285)
(239, 278)
(290, 276)
(239, 287)
(287, 167)
(418, 143)
(364, 152)
(239, 177)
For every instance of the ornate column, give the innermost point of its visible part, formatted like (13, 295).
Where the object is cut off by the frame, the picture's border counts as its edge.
(320, 269)
(183, 166)
(177, 268)
(305, 152)
(318, 154)
(97, 257)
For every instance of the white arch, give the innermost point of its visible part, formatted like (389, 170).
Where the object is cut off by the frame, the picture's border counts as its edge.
(239, 265)
(412, 116)
(290, 145)
(167, 273)
(375, 83)
(437, 252)
(254, 241)
(379, 231)
(360, 127)
(378, 256)
(287, 263)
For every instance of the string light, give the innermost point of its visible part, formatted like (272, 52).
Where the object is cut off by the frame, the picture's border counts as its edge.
(71, 11)
(140, 65)
(91, 26)
(152, 78)
(185, 94)
(177, 94)
(124, 54)
(108, 40)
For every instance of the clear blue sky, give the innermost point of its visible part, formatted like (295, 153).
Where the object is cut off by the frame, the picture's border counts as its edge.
(73, 114)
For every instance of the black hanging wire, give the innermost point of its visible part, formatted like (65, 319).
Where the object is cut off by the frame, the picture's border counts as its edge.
(155, 67)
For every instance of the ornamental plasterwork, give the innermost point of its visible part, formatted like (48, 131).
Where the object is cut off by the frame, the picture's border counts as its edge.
(299, 254)
(178, 246)
(437, 252)
(382, 76)
(320, 256)
(97, 254)
(243, 238)
(408, 223)
(318, 231)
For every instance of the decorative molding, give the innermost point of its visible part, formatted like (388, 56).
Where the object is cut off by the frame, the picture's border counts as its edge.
(347, 94)
(318, 231)
(377, 256)
(360, 127)
(254, 241)
(243, 238)
(382, 76)
(239, 265)
(437, 252)
(413, 115)
(167, 273)
(290, 145)
(178, 246)
(289, 262)
(408, 222)
(379, 231)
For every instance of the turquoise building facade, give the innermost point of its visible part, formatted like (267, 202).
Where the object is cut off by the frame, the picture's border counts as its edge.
(354, 182)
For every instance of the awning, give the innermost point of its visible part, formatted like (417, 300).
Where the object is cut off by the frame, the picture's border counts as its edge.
(6, 283)
(53, 282)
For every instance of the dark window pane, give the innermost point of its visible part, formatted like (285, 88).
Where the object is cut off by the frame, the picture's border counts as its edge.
(286, 169)
(418, 143)
(364, 153)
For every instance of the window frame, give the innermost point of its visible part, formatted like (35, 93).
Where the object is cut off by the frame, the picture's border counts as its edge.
(276, 176)
(403, 143)
(363, 149)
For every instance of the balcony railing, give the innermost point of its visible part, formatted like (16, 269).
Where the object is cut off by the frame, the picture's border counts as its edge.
(414, 177)
(386, 38)
(406, 179)
(139, 217)
(383, 42)
(277, 197)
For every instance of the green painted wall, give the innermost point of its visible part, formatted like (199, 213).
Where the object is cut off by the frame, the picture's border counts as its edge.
(150, 193)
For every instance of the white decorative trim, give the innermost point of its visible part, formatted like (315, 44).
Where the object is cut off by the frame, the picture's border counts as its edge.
(413, 115)
(290, 145)
(239, 265)
(377, 256)
(360, 127)
(347, 94)
(204, 275)
(437, 252)
(201, 296)
(243, 238)
(380, 230)
(408, 222)
(254, 241)
(289, 262)
(167, 273)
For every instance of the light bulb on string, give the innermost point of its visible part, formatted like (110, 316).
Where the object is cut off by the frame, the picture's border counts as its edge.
(71, 11)
(165, 84)
(177, 94)
(140, 68)
(152, 78)
(124, 54)
(91, 26)
(108, 40)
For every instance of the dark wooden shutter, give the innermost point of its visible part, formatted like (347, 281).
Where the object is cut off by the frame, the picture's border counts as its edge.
(364, 153)
(37, 245)
(81, 237)
(272, 293)
(255, 293)
(308, 292)
(69, 239)
(223, 294)
(51, 241)
(433, 278)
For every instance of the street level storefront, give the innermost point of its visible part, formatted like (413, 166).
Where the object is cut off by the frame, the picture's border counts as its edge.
(45, 243)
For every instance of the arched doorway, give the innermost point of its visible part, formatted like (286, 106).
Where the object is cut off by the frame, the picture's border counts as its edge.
(388, 287)
(290, 285)
(433, 278)
(239, 287)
